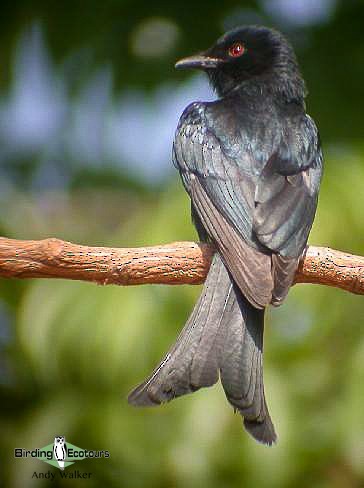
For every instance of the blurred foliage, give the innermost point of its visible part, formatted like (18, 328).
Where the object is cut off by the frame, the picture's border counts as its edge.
(330, 52)
(70, 351)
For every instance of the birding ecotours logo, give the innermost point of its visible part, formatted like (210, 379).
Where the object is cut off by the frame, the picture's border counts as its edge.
(60, 454)
(60, 450)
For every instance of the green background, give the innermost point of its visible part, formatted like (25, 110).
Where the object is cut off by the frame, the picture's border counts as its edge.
(70, 352)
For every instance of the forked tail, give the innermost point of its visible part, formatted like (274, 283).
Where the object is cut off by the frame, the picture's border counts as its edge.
(224, 335)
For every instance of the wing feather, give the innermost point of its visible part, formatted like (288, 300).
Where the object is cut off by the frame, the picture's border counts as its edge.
(250, 268)
(259, 214)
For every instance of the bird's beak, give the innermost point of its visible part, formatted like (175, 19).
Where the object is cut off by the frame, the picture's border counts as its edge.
(199, 61)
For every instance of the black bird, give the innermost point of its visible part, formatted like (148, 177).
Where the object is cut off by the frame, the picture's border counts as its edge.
(251, 163)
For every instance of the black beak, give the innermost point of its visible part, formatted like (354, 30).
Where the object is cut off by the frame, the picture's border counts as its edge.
(199, 61)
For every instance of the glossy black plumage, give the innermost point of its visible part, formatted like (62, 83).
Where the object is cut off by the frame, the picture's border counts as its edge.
(251, 163)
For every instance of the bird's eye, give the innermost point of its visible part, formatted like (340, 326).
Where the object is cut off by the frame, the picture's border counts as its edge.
(236, 50)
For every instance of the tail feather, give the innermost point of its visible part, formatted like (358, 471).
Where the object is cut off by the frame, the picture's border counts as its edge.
(241, 367)
(192, 362)
(224, 334)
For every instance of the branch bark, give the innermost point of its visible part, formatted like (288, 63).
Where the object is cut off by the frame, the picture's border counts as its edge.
(173, 264)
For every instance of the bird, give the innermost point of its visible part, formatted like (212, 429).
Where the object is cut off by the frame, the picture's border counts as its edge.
(251, 163)
(60, 450)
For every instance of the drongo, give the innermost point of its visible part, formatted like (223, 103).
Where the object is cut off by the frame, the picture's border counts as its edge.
(251, 163)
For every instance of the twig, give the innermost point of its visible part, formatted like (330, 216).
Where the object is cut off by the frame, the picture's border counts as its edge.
(174, 264)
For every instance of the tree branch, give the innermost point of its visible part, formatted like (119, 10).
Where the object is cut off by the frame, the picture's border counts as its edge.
(174, 264)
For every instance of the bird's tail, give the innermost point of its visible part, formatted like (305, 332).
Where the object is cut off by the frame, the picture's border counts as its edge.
(61, 465)
(224, 334)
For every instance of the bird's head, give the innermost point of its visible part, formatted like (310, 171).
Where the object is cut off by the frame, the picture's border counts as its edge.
(255, 53)
(59, 440)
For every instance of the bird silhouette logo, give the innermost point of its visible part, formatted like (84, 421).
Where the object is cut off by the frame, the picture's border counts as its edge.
(60, 450)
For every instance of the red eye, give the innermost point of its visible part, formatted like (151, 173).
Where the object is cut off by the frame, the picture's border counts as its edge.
(236, 50)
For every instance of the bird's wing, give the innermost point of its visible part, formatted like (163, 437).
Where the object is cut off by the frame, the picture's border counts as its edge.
(250, 219)
(286, 200)
(223, 199)
(286, 193)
